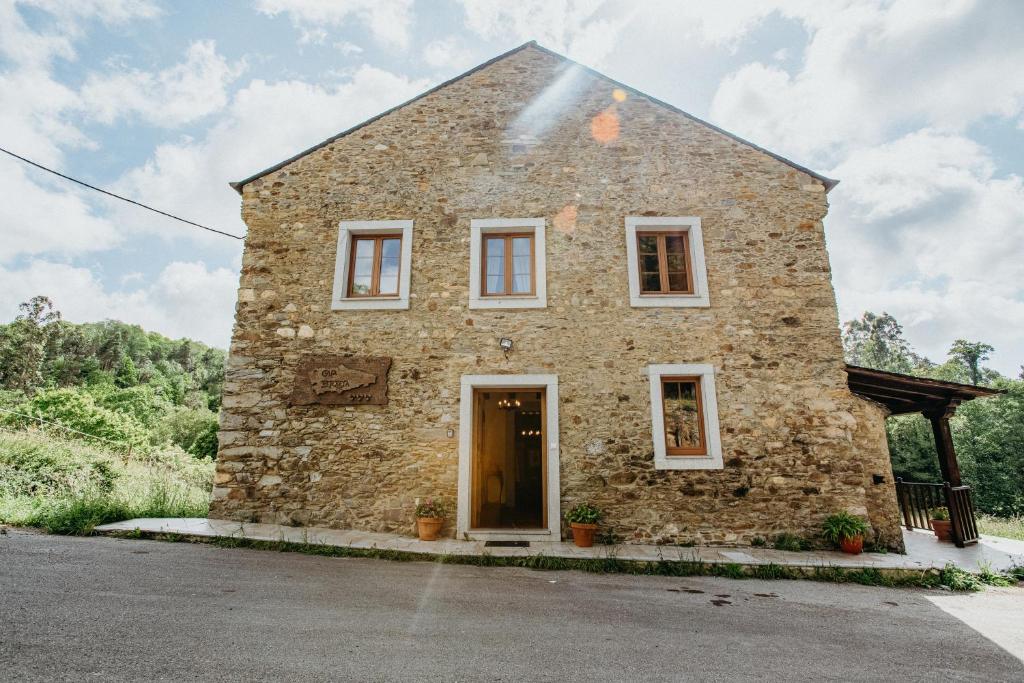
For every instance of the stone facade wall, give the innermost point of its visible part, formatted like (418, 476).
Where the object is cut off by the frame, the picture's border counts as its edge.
(797, 444)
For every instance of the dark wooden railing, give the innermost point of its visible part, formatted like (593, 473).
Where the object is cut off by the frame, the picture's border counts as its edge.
(917, 500)
(961, 514)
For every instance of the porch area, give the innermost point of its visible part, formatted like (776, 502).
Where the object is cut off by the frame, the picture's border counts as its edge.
(936, 400)
(924, 551)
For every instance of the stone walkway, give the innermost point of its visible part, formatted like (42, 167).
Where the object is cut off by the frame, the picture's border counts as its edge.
(923, 550)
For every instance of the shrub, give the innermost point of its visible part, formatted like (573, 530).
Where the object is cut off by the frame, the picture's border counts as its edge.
(939, 514)
(584, 513)
(78, 410)
(788, 541)
(843, 525)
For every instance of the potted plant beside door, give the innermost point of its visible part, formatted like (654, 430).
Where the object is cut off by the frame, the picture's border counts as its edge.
(941, 525)
(430, 516)
(846, 530)
(583, 519)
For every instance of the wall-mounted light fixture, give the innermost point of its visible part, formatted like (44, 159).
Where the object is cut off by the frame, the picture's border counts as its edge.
(506, 346)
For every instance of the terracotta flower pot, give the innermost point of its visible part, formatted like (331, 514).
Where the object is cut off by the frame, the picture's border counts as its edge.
(853, 546)
(429, 527)
(583, 534)
(943, 529)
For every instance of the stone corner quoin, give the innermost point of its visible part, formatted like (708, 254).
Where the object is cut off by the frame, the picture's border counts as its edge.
(796, 444)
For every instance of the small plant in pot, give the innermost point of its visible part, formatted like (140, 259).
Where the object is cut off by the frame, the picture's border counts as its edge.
(583, 519)
(430, 516)
(845, 530)
(941, 525)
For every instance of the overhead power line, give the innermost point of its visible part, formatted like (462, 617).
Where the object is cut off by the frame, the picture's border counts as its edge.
(117, 196)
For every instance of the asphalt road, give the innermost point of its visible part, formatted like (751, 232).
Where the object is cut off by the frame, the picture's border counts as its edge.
(109, 609)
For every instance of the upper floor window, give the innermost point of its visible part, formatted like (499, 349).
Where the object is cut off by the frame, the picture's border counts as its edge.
(372, 265)
(506, 263)
(376, 264)
(684, 417)
(665, 260)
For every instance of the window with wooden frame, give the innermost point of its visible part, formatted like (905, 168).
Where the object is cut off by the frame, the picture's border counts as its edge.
(684, 417)
(375, 264)
(683, 411)
(664, 262)
(508, 264)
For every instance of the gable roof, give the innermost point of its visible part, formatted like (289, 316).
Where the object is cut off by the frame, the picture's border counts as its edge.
(829, 183)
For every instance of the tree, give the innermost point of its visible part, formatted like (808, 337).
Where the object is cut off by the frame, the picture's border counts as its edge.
(876, 341)
(24, 342)
(127, 375)
(971, 354)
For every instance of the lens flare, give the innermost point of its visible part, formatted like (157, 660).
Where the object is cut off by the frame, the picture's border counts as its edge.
(605, 126)
(619, 95)
(565, 220)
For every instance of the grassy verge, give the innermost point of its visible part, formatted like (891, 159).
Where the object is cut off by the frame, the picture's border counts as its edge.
(1007, 527)
(66, 487)
(950, 577)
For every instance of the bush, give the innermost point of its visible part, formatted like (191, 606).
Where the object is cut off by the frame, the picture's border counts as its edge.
(69, 488)
(78, 410)
(191, 429)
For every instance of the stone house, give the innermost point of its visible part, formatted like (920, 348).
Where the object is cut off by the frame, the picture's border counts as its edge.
(534, 286)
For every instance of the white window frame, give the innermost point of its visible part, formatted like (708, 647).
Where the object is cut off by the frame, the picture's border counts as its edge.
(549, 383)
(478, 228)
(691, 224)
(712, 436)
(340, 301)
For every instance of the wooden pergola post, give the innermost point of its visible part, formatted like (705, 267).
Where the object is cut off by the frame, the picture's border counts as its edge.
(948, 464)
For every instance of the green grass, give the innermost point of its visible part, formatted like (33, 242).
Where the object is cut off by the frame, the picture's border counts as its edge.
(1007, 527)
(66, 487)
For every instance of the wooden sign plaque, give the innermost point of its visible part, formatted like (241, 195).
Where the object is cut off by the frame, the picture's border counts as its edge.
(342, 381)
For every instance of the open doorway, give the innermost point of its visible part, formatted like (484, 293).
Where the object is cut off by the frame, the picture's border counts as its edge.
(508, 471)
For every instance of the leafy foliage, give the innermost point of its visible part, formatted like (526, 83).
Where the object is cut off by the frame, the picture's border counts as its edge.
(988, 433)
(842, 525)
(584, 513)
(432, 507)
(110, 380)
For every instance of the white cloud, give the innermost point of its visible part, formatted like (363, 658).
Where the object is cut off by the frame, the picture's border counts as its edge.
(872, 68)
(448, 53)
(171, 97)
(47, 218)
(922, 228)
(191, 176)
(187, 299)
(389, 21)
(346, 48)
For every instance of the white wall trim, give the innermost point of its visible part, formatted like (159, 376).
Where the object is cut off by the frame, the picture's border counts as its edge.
(663, 461)
(554, 492)
(346, 229)
(478, 227)
(700, 297)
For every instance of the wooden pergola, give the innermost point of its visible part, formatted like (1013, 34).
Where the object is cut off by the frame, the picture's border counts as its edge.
(937, 400)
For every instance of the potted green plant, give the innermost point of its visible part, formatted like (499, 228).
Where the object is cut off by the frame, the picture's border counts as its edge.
(583, 519)
(845, 530)
(430, 516)
(941, 525)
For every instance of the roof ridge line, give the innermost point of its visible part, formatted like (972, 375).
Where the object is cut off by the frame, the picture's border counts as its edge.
(829, 183)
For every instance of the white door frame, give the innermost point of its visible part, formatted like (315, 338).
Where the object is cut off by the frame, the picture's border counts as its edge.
(549, 383)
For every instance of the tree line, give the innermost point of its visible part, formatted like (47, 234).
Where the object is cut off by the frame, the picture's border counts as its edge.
(988, 433)
(110, 380)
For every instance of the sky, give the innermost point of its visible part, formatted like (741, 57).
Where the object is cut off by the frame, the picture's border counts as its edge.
(916, 106)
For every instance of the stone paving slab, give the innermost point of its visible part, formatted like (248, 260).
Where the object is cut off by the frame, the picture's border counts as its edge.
(923, 550)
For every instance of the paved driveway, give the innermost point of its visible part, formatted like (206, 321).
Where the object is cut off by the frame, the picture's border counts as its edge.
(110, 609)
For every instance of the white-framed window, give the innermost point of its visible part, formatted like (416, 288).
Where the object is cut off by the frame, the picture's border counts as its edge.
(372, 266)
(684, 417)
(507, 266)
(665, 260)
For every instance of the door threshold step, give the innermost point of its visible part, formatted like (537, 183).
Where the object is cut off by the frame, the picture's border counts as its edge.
(506, 544)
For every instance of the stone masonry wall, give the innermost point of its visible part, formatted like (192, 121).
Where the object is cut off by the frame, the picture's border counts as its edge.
(797, 444)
